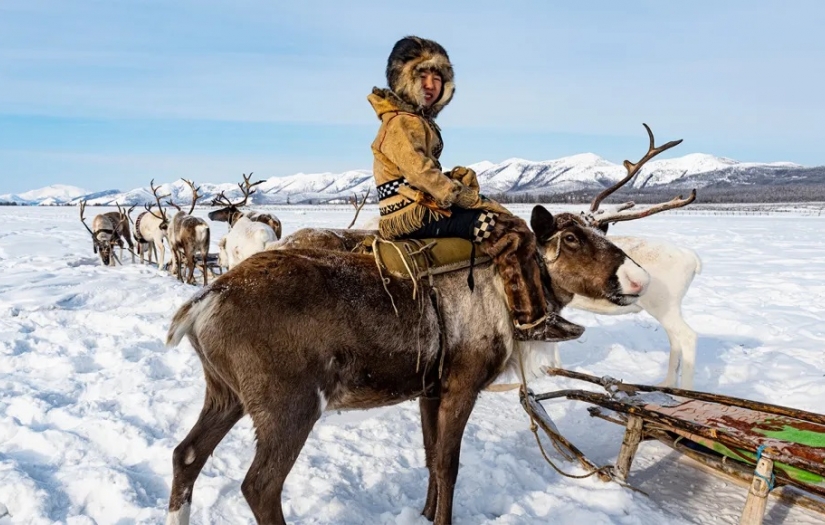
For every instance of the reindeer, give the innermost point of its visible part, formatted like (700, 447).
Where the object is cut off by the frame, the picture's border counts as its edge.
(249, 233)
(672, 269)
(346, 240)
(187, 235)
(351, 337)
(231, 212)
(109, 229)
(348, 337)
(151, 228)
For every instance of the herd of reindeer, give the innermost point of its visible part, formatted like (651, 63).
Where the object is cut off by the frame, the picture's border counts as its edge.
(351, 352)
(188, 236)
(671, 267)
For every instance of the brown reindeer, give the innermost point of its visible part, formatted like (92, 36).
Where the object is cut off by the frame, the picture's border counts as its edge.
(108, 230)
(231, 212)
(338, 343)
(188, 235)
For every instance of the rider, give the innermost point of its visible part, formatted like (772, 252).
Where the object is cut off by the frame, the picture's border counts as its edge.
(418, 200)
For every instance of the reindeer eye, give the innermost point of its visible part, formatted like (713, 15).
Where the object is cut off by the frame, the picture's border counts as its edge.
(570, 238)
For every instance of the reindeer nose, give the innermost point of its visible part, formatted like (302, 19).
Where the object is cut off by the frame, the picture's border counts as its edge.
(634, 287)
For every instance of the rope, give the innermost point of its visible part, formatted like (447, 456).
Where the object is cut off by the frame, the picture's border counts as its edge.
(770, 483)
(384, 280)
(607, 469)
(403, 259)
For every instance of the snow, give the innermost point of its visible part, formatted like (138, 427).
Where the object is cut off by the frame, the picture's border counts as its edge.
(92, 404)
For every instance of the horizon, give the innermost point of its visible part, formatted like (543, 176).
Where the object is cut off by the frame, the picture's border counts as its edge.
(488, 165)
(100, 95)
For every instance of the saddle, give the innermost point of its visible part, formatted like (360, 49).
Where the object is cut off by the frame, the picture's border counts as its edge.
(418, 258)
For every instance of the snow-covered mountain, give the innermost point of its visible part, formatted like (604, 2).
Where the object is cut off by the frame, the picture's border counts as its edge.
(515, 176)
(50, 195)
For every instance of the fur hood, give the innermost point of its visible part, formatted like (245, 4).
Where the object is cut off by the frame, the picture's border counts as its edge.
(409, 58)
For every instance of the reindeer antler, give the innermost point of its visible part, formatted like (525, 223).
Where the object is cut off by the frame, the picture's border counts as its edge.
(246, 189)
(158, 198)
(83, 219)
(633, 168)
(623, 213)
(195, 195)
(358, 206)
(626, 211)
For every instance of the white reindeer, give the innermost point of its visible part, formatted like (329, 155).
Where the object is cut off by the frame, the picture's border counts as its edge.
(150, 230)
(246, 238)
(231, 212)
(249, 232)
(672, 269)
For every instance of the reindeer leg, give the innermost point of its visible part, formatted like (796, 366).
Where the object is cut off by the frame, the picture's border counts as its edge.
(190, 266)
(282, 427)
(457, 401)
(429, 426)
(218, 416)
(682, 340)
(203, 255)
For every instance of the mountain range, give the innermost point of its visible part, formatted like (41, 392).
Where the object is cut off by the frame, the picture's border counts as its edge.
(513, 177)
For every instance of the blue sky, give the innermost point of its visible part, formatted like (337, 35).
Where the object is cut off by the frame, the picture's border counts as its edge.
(104, 94)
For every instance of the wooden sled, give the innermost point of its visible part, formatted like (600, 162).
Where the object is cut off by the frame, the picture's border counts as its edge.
(211, 263)
(776, 450)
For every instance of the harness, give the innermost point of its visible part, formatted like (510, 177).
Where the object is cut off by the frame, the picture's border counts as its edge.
(102, 230)
(138, 236)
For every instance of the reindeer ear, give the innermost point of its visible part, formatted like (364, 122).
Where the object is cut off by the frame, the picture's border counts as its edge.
(603, 227)
(543, 224)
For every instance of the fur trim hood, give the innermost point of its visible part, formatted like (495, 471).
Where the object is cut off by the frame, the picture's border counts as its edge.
(409, 58)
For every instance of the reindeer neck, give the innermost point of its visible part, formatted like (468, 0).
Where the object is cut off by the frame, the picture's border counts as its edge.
(554, 294)
(233, 217)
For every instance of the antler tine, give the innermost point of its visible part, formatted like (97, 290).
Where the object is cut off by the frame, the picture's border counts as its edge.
(622, 214)
(83, 219)
(195, 195)
(158, 198)
(171, 203)
(633, 168)
(148, 207)
(124, 215)
(246, 188)
(221, 200)
(358, 206)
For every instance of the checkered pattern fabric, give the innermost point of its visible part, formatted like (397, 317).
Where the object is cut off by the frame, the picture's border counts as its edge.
(483, 226)
(390, 188)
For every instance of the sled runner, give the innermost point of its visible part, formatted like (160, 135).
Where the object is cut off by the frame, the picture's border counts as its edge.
(777, 450)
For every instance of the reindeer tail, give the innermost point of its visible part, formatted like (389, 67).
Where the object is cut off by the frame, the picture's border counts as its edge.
(183, 322)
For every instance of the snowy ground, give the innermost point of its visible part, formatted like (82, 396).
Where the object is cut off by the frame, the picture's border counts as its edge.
(92, 404)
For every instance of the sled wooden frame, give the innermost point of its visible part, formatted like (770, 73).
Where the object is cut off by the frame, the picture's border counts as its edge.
(211, 263)
(643, 424)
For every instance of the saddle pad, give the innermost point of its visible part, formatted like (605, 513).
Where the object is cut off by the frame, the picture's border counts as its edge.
(423, 257)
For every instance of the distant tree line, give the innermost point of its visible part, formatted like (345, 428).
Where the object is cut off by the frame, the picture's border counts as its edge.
(707, 195)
